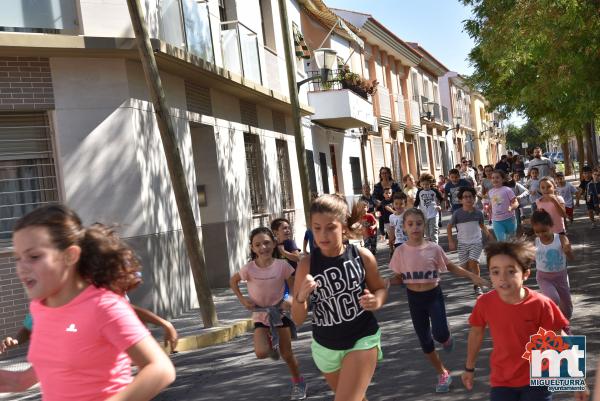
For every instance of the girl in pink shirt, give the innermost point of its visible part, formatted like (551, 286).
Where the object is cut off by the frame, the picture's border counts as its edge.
(553, 204)
(503, 203)
(418, 264)
(86, 334)
(265, 278)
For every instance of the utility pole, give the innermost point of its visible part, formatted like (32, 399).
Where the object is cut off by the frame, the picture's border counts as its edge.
(296, 117)
(193, 244)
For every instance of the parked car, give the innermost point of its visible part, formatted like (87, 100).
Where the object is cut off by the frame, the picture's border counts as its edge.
(558, 158)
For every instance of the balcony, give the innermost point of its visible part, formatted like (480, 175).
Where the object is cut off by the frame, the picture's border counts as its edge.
(415, 114)
(48, 16)
(241, 50)
(400, 121)
(340, 108)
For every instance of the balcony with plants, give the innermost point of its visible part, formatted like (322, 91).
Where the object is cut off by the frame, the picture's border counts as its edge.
(343, 100)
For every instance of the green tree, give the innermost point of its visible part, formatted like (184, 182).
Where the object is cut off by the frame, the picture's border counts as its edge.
(539, 57)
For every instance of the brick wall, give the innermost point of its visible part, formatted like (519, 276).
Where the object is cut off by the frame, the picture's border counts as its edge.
(25, 84)
(13, 300)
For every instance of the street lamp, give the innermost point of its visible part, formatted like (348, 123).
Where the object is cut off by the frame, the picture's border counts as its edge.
(457, 121)
(428, 108)
(325, 60)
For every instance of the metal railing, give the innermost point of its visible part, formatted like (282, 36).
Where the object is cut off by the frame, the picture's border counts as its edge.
(240, 47)
(335, 81)
(48, 16)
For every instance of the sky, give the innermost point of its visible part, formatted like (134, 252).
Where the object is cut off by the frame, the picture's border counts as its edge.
(437, 25)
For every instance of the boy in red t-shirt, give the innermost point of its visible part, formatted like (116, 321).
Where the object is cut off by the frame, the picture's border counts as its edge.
(369, 223)
(513, 313)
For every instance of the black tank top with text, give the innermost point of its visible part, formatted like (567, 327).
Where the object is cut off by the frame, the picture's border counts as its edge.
(338, 319)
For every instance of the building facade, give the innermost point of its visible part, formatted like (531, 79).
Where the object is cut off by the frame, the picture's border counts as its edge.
(77, 126)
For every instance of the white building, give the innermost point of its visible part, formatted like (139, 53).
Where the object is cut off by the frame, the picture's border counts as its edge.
(77, 126)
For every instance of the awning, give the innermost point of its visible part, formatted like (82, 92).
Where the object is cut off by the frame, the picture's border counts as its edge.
(301, 48)
(354, 37)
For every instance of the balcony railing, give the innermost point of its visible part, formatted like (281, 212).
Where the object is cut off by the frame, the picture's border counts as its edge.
(424, 102)
(48, 16)
(334, 82)
(241, 50)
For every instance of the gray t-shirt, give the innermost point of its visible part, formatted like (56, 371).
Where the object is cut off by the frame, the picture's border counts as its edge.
(544, 166)
(467, 225)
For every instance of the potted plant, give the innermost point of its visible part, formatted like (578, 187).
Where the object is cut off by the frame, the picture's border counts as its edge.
(351, 80)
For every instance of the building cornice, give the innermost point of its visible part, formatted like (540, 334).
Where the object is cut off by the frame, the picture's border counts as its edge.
(373, 27)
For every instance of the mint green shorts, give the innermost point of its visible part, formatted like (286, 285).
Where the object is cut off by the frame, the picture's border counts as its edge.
(330, 360)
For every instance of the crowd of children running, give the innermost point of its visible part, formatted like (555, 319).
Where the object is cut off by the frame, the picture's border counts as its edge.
(77, 277)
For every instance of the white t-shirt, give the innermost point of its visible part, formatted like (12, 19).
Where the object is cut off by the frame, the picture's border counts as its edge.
(550, 258)
(567, 193)
(544, 166)
(396, 221)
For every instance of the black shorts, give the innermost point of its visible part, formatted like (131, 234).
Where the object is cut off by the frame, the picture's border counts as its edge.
(592, 207)
(285, 320)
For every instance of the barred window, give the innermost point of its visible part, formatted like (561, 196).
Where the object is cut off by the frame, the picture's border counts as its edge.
(254, 173)
(285, 177)
(27, 170)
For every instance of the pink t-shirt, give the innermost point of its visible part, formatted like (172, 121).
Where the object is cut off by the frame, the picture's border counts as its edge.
(78, 350)
(419, 264)
(500, 199)
(266, 285)
(558, 223)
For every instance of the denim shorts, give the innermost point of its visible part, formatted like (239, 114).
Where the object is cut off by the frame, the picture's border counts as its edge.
(330, 360)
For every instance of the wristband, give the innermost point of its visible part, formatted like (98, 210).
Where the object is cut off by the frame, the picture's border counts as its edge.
(469, 370)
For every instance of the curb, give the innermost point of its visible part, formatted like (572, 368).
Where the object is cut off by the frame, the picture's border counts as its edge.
(213, 336)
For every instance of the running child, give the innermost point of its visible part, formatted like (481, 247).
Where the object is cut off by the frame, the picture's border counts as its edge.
(503, 203)
(593, 196)
(369, 231)
(469, 223)
(85, 333)
(486, 185)
(452, 187)
(385, 209)
(428, 200)
(553, 204)
(410, 189)
(552, 251)
(397, 235)
(513, 314)
(567, 191)
(586, 178)
(533, 186)
(286, 247)
(345, 288)
(418, 264)
(265, 277)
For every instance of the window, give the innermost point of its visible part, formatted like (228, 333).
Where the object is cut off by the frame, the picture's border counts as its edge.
(436, 152)
(415, 86)
(324, 172)
(266, 19)
(356, 178)
(312, 177)
(254, 173)
(222, 11)
(426, 88)
(423, 152)
(285, 178)
(27, 170)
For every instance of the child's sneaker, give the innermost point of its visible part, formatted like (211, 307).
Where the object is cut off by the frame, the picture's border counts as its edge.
(448, 345)
(444, 381)
(298, 390)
